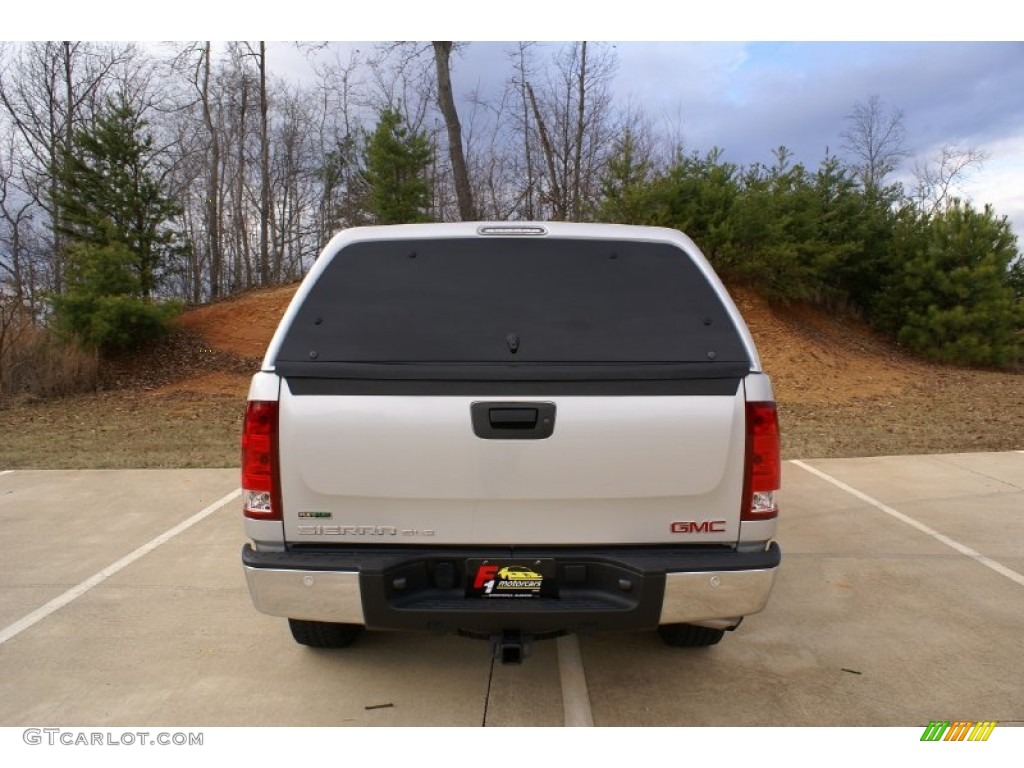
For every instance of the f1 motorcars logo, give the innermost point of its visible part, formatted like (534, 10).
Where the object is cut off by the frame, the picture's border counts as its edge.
(704, 526)
(484, 574)
(494, 580)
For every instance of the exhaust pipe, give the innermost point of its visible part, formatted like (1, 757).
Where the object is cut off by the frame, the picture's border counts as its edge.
(511, 646)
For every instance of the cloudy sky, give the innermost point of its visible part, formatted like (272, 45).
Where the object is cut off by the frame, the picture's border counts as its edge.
(745, 97)
(749, 98)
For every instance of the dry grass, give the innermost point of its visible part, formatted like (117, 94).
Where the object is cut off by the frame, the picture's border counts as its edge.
(34, 361)
(112, 430)
(951, 411)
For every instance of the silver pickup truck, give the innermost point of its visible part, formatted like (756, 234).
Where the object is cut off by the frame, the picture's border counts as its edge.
(511, 431)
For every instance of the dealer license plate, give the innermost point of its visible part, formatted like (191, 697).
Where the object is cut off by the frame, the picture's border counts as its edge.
(515, 579)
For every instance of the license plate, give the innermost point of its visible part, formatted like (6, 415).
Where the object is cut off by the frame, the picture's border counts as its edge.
(511, 579)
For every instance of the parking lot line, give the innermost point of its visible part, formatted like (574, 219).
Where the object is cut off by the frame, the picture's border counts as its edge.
(575, 698)
(98, 578)
(6, 472)
(963, 549)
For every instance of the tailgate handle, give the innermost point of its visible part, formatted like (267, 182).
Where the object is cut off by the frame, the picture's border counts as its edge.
(512, 418)
(513, 421)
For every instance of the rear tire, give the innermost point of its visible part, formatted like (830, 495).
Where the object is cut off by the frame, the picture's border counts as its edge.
(323, 634)
(689, 635)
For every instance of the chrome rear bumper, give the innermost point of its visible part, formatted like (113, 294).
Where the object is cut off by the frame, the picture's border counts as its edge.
(311, 586)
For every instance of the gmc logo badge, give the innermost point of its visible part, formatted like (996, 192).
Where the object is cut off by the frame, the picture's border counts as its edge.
(707, 526)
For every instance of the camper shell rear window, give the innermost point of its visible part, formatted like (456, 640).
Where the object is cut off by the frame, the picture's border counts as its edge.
(528, 307)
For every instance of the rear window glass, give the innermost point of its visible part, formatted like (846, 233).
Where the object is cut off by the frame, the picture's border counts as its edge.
(512, 300)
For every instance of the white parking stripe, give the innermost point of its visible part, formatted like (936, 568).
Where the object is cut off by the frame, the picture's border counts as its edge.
(6, 472)
(575, 699)
(963, 549)
(80, 589)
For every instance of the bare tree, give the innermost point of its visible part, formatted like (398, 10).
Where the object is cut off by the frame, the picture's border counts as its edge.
(493, 146)
(195, 63)
(231, 176)
(212, 204)
(188, 167)
(265, 191)
(523, 72)
(939, 177)
(401, 77)
(446, 102)
(342, 200)
(581, 115)
(265, 174)
(293, 224)
(238, 120)
(875, 139)
(574, 124)
(47, 91)
(16, 214)
(555, 195)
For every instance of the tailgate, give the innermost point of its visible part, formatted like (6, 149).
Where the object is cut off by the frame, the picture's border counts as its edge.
(410, 469)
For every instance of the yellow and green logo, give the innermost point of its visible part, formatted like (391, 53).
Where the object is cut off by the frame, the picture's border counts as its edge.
(958, 730)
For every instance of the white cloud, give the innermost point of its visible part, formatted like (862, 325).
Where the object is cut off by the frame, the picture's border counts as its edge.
(999, 181)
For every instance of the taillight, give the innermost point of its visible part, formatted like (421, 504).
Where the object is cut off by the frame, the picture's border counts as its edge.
(763, 470)
(261, 480)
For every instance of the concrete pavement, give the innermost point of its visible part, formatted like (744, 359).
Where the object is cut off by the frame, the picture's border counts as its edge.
(873, 621)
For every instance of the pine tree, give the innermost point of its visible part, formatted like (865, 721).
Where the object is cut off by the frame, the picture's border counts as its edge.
(953, 298)
(102, 307)
(396, 171)
(625, 183)
(116, 217)
(112, 193)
